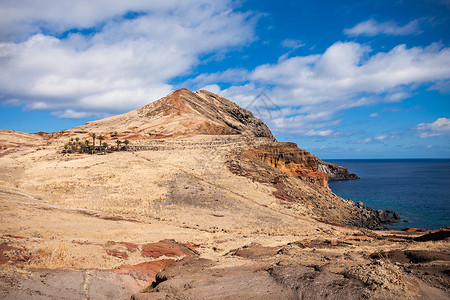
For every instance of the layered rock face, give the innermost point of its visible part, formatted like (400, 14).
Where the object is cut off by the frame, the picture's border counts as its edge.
(263, 166)
(287, 157)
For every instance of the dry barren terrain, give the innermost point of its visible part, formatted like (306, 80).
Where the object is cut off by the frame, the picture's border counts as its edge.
(196, 216)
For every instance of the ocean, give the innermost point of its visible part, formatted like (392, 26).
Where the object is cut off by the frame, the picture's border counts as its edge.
(417, 189)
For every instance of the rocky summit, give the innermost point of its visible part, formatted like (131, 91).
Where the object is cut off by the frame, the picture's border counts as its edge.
(192, 197)
(180, 114)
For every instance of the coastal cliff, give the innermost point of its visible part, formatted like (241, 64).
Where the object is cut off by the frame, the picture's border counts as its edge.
(289, 158)
(335, 172)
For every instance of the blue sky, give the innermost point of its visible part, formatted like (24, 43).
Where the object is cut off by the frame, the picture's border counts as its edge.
(342, 79)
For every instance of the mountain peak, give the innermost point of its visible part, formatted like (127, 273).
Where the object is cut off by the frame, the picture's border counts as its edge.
(183, 113)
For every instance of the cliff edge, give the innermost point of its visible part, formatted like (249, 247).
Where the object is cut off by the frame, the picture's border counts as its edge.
(335, 172)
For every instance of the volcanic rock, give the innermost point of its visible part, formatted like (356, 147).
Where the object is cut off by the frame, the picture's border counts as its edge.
(255, 251)
(434, 236)
(200, 278)
(181, 113)
(411, 256)
(334, 171)
(166, 248)
(287, 157)
(145, 271)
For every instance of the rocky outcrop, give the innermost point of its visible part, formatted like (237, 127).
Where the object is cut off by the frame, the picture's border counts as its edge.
(287, 157)
(168, 248)
(290, 159)
(255, 251)
(197, 278)
(442, 234)
(365, 216)
(270, 165)
(411, 256)
(335, 172)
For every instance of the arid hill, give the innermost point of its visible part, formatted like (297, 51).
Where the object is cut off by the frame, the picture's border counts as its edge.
(180, 114)
(204, 203)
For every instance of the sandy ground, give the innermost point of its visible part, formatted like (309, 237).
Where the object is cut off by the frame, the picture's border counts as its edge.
(77, 213)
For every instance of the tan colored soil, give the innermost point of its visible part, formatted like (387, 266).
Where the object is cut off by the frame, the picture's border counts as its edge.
(78, 212)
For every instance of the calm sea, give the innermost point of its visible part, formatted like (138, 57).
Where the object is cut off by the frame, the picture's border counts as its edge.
(417, 189)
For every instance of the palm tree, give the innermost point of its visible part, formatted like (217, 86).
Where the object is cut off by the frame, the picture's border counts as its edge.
(118, 142)
(66, 146)
(93, 139)
(82, 146)
(126, 142)
(105, 145)
(101, 138)
(86, 142)
(77, 139)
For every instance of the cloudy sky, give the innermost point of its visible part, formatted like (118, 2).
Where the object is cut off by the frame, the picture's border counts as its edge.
(343, 79)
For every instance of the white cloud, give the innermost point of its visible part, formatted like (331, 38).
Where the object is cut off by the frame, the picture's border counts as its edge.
(381, 137)
(214, 88)
(374, 115)
(371, 28)
(22, 18)
(343, 71)
(346, 75)
(378, 138)
(125, 64)
(325, 132)
(292, 44)
(397, 97)
(439, 127)
(73, 114)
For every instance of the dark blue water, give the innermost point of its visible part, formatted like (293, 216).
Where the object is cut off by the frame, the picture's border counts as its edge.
(417, 189)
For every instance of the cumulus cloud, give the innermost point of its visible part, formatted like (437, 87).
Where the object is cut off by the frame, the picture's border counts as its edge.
(439, 127)
(343, 71)
(127, 58)
(21, 18)
(346, 75)
(371, 28)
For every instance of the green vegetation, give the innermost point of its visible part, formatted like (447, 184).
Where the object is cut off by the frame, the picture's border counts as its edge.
(75, 146)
